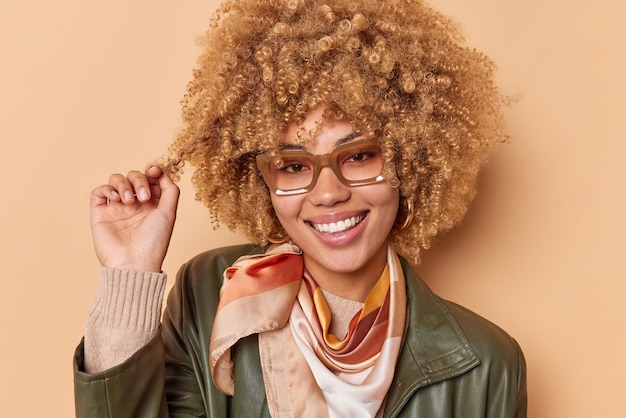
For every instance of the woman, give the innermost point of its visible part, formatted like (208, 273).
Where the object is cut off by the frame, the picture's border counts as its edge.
(341, 137)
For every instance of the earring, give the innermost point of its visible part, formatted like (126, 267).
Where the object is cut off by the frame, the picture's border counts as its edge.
(275, 240)
(409, 213)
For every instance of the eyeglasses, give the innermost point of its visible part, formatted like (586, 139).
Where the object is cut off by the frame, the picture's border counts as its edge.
(295, 171)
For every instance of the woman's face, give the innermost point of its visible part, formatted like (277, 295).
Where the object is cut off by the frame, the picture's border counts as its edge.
(337, 251)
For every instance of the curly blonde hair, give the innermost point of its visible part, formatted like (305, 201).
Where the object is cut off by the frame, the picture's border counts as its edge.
(394, 68)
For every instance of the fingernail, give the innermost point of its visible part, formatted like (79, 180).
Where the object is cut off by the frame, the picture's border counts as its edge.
(128, 196)
(143, 194)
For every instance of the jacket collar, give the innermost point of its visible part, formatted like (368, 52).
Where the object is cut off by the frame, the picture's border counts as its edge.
(435, 347)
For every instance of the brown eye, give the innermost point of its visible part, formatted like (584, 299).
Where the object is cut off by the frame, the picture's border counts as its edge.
(362, 155)
(359, 157)
(294, 166)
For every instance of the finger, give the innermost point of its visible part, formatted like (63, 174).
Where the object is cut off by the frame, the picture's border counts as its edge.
(154, 175)
(103, 194)
(169, 194)
(140, 184)
(154, 172)
(124, 188)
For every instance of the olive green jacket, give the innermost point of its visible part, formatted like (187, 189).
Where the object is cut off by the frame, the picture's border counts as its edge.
(453, 363)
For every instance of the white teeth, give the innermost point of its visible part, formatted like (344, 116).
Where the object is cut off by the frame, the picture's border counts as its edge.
(338, 226)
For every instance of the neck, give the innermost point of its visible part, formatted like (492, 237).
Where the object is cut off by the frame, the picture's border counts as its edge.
(354, 285)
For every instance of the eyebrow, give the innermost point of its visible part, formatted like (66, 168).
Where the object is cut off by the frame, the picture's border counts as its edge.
(340, 141)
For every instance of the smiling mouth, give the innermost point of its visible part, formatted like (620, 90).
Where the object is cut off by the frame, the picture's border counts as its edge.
(340, 226)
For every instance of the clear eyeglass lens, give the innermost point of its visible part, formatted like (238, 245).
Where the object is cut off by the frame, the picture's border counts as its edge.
(292, 172)
(360, 163)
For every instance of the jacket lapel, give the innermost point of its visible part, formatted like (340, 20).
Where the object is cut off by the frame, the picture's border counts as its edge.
(435, 347)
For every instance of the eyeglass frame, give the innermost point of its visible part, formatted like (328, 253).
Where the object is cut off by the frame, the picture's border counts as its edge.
(319, 161)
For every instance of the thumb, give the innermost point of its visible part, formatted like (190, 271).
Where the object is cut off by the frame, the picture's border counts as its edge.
(170, 193)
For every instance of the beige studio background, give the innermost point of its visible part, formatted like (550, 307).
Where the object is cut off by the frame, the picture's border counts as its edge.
(89, 88)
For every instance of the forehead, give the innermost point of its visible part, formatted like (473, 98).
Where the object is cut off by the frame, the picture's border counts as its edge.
(310, 124)
(322, 144)
(317, 134)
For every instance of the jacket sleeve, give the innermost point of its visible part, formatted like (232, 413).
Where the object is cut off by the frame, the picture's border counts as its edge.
(501, 378)
(186, 333)
(162, 379)
(506, 385)
(131, 389)
(496, 388)
(158, 381)
(522, 397)
(169, 376)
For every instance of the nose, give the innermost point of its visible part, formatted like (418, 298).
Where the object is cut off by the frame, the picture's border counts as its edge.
(328, 189)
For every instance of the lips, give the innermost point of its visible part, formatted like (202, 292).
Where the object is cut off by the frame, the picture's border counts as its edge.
(339, 226)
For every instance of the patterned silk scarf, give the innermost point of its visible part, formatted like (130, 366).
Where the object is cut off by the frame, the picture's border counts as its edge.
(307, 371)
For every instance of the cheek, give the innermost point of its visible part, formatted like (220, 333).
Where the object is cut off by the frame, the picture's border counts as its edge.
(286, 208)
(393, 209)
(386, 197)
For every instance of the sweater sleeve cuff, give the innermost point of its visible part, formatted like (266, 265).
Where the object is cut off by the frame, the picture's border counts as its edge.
(129, 299)
(125, 315)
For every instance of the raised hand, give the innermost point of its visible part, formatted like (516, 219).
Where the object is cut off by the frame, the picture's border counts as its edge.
(132, 219)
